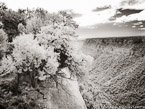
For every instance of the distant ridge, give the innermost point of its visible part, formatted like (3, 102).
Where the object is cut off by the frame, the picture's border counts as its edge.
(108, 37)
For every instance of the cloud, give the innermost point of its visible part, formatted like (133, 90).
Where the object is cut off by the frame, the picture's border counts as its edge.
(125, 12)
(131, 2)
(92, 18)
(101, 8)
(112, 9)
(141, 26)
(83, 14)
(143, 29)
(130, 13)
(138, 23)
(138, 16)
(134, 24)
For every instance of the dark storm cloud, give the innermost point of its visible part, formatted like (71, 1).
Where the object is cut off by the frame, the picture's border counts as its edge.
(101, 8)
(121, 12)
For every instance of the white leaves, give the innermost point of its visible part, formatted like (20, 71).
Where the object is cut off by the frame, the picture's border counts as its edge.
(21, 28)
(7, 65)
(33, 25)
(28, 55)
(27, 48)
(42, 75)
(47, 48)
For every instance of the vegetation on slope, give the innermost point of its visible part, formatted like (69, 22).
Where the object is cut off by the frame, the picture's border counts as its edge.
(117, 76)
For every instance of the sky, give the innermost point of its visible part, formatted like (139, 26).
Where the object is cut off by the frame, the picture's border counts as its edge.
(96, 18)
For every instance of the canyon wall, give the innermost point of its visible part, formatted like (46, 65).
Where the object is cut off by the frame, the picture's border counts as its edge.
(117, 76)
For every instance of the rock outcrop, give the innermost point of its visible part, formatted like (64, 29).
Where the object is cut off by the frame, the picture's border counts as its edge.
(67, 95)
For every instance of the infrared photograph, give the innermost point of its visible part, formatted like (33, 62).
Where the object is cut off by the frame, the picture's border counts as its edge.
(72, 54)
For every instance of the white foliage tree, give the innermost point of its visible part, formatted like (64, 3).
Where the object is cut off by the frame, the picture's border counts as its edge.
(42, 55)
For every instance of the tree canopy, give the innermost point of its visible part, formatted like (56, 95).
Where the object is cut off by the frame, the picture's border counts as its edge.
(42, 45)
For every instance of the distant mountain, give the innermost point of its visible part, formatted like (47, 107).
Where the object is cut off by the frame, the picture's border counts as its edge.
(117, 76)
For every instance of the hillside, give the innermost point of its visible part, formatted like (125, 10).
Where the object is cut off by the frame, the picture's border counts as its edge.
(117, 76)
